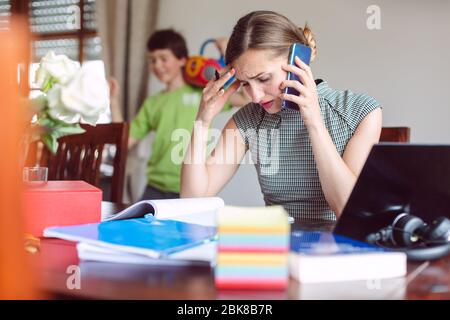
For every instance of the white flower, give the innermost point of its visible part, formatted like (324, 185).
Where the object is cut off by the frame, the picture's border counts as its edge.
(82, 99)
(57, 68)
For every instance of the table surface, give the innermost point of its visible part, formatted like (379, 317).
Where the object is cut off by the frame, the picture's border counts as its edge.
(100, 280)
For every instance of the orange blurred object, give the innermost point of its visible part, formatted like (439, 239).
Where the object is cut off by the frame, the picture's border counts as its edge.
(16, 280)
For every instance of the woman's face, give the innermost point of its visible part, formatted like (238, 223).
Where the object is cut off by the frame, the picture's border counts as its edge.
(261, 75)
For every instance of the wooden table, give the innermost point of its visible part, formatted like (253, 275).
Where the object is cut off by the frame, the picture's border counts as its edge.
(57, 261)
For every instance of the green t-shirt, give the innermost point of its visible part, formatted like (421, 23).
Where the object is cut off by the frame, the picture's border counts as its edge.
(171, 115)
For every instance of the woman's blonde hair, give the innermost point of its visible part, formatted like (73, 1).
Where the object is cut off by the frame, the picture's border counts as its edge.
(267, 30)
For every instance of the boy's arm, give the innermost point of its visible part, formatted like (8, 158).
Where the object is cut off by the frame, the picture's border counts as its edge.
(114, 100)
(132, 142)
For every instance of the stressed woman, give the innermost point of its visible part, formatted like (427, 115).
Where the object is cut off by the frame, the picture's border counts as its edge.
(307, 160)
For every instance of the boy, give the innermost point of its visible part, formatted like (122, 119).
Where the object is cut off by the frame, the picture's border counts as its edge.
(173, 108)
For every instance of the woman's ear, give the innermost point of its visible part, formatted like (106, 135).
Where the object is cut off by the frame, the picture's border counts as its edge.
(183, 61)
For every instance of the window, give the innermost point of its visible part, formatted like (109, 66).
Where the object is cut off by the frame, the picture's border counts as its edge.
(5, 13)
(64, 26)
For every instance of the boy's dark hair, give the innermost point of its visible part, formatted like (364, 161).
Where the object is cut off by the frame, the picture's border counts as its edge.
(168, 39)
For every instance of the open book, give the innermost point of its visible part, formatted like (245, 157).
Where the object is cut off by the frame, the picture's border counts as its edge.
(147, 230)
(325, 257)
(192, 210)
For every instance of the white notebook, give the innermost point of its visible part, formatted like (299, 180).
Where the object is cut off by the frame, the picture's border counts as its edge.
(200, 255)
(324, 257)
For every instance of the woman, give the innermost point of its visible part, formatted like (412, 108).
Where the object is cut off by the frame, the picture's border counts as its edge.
(307, 160)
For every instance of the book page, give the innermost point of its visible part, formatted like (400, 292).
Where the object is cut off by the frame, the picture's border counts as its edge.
(137, 210)
(192, 210)
(201, 211)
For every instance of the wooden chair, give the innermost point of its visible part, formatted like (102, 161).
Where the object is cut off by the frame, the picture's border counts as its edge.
(395, 134)
(79, 156)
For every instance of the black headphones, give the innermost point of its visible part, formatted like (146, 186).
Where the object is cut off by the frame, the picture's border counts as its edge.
(419, 240)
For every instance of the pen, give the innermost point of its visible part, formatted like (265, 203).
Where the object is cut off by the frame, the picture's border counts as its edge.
(217, 74)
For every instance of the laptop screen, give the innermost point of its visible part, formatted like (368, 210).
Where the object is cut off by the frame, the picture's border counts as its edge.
(397, 178)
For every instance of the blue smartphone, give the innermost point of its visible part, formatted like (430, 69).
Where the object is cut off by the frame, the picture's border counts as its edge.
(304, 53)
(228, 83)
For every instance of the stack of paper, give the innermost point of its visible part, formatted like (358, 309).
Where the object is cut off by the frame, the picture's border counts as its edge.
(148, 237)
(155, 232)
(253, 248)
(202, 255)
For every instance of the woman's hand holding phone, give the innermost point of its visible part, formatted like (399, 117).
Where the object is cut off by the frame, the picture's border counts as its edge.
(307, 101)
(215, 96)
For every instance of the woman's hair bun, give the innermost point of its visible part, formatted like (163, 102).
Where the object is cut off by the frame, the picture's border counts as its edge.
(310, 40)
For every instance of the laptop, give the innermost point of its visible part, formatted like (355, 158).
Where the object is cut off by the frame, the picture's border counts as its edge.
(396, 178)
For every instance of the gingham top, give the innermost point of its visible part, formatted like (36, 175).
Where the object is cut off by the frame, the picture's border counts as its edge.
(283, 155)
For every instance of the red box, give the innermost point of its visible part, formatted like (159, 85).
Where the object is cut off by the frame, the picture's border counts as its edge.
(61, 203)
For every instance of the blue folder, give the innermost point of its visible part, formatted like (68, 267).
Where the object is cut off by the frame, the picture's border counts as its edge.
(148, 236)
(320, 243)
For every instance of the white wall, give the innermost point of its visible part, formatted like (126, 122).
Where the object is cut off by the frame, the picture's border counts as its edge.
(405, 65)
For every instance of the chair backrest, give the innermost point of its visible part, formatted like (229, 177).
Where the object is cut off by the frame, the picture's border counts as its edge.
(395, 134)
(79, 156)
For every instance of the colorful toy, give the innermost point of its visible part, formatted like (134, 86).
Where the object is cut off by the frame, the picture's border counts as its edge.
(199, 70)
